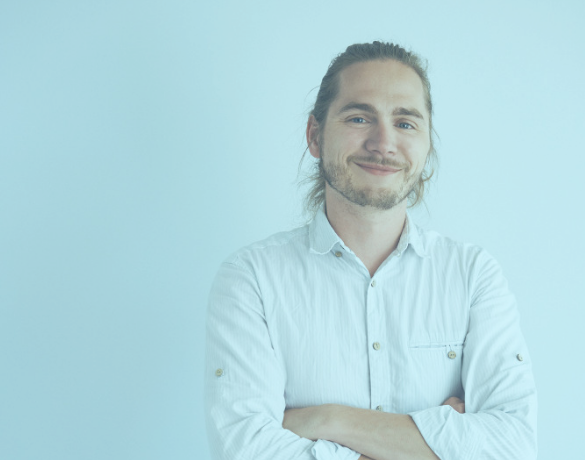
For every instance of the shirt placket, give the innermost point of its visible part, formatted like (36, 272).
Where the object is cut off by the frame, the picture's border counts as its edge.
(377, 346)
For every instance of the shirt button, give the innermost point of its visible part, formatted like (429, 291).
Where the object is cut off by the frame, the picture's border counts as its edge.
(519, 357)
(219, 372)
(379, 408)
(337, 254)
(452, 354)
(373, 284)
(377, 345)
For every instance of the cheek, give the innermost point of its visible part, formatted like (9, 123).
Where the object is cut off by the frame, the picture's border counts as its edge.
(417, 150)
(348, 139)
(337, 150)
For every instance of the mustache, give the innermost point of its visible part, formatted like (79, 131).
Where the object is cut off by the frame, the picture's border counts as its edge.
(376, 160)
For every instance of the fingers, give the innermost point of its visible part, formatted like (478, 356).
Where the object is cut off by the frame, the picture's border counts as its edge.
(460, 407)
(456, 404)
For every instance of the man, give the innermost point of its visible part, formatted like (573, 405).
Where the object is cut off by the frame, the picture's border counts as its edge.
(361, 336)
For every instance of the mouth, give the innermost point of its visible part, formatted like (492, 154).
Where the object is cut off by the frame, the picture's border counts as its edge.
(378, 170)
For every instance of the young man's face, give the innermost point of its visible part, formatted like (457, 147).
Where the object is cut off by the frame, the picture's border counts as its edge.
(376, 137)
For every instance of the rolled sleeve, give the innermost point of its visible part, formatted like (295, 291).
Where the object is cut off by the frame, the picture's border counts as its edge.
(500, 394)
(323, 450)
(244, 381)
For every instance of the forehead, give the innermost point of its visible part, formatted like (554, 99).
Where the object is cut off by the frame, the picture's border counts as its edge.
(382, 83)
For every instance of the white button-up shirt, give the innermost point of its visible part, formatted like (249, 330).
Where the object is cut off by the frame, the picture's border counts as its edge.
(296, 320)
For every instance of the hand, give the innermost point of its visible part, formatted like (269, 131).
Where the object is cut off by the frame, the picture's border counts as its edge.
(456, 404)
(307, 422)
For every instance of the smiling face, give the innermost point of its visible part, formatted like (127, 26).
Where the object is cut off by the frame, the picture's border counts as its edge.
(376, 137)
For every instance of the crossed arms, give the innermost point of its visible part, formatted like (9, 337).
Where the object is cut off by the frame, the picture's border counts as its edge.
(245, 382)
(382, 436)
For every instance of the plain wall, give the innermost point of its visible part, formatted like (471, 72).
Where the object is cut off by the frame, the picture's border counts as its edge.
(142, 142)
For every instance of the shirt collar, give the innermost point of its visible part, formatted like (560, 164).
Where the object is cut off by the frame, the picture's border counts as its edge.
(322, 237)
(412, 237)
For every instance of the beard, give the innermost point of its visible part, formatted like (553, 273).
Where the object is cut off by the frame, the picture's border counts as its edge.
(340, 179)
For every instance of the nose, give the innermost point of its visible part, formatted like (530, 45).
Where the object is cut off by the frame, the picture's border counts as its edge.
(382, 139)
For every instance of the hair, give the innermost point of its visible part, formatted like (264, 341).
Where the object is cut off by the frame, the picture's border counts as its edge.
(328, 91)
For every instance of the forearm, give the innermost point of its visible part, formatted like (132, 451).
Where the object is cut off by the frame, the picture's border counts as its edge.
(377, 435)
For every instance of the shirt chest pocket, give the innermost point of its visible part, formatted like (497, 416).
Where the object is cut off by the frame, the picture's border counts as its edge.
(434, 370)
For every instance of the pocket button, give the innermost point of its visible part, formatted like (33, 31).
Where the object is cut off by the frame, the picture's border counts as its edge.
(452, 354)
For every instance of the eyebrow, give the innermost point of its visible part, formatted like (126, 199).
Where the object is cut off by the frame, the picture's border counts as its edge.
(399, 111)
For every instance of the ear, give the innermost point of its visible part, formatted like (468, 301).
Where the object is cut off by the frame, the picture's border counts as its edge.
(313, 137)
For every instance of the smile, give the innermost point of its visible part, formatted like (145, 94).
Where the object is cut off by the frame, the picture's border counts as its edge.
(378, 170)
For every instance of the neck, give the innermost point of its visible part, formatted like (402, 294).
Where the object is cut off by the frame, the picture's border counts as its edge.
(372, 234)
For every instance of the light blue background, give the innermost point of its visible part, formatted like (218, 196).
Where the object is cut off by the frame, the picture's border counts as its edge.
(142, 142)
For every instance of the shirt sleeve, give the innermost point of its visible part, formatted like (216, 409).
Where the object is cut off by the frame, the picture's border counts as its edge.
(244, 381)
(500, 395)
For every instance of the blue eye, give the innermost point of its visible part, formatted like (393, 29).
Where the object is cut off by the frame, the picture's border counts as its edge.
(405, 125)
(358, 120)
